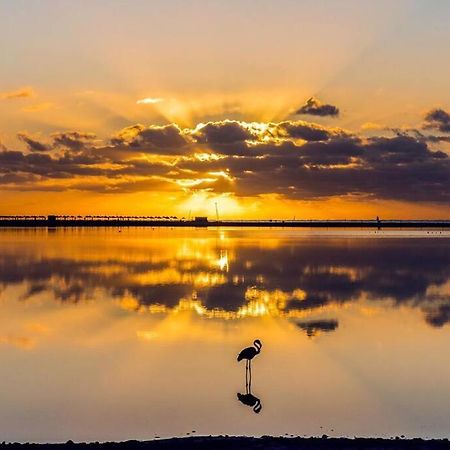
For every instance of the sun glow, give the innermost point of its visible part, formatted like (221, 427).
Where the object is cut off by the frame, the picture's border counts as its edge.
(204, 203)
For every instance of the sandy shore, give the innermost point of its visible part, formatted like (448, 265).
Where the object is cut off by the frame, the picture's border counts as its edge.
(272, 443)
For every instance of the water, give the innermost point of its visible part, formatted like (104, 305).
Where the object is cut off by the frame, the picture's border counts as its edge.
(108, 335)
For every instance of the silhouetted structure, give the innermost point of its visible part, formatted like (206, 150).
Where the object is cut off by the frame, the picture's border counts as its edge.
(202, 221)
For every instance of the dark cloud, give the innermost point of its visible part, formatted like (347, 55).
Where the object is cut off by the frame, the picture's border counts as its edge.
(32, 144)
(293, 159)
(400, 168)
(420, 136)
(315, 108)
(127, 134)
(10, 156)
(438, 119)
(307, 131)
(17, 179)
(73, 140)
(224, 132)
(166, 139)
(47, 166)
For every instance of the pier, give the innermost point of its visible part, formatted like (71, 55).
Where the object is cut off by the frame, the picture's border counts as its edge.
(66, 221)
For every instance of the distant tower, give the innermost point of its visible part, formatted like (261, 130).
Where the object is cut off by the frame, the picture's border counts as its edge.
(217, 212)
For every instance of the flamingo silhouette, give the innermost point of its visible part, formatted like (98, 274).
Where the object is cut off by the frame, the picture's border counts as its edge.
(248, 398)
(248, 354)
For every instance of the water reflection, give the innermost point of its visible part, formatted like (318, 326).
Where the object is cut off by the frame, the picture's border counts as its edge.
(315, 327)
(234, 278)
(125, 322)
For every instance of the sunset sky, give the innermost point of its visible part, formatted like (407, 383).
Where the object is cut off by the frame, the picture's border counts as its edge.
(312, 109)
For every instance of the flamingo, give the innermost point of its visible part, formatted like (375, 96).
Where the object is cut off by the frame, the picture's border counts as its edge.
(248, 354)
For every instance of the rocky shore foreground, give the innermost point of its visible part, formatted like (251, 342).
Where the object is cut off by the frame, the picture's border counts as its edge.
(262, 443)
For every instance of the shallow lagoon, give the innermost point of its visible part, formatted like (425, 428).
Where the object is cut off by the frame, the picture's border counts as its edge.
(115, 334)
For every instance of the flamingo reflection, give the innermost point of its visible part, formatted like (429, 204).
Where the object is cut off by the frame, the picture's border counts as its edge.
(250, 400)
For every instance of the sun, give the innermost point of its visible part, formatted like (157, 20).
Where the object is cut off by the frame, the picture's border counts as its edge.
(204, 203)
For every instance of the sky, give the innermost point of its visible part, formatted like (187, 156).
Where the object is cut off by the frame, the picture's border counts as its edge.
(306, 109)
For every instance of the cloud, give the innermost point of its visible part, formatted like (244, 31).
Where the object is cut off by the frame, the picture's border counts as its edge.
(222, 132)
(21, 93)
(400, 168)
(314, 107)
(149, 100)
(32, 144)
(307, 131)
(438, 119)
(127, 134)
(156, 139)
(420, 136)
(292, 159)
(73, 140)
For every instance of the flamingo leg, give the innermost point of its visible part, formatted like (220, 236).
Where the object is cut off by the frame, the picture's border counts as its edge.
(246, 376)
(250, 377)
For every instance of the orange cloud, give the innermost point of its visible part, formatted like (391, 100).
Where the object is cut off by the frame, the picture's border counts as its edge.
(25, 92)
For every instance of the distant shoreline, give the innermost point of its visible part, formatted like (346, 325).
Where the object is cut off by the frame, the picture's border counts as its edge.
(263, 443)
(203, 222)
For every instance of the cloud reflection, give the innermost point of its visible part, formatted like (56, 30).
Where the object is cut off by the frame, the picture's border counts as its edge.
(228, 279)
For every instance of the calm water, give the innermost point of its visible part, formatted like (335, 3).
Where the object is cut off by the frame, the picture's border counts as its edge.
(107, 335)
